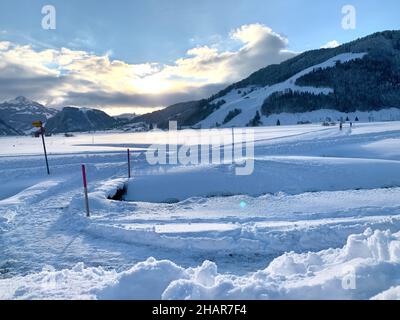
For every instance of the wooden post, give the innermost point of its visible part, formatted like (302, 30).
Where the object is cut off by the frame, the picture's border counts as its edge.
(85, 190)
(129, 163)
(233, 144)
(44, 148)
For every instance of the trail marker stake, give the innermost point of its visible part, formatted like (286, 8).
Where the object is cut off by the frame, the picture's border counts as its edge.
(129, 163)
(85, 190)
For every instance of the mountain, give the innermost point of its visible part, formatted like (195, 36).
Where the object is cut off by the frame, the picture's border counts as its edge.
(21, 112)
(181, 112)
(126, 116)
(360, 76)
(6, 130)
(127, 122)
(72, 119)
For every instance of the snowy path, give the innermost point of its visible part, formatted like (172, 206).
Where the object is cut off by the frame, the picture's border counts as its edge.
(37, 231)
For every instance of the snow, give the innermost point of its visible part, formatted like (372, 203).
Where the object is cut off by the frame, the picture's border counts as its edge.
(290, 174)
(253, 100)
(363, 268)
(319, 116)
(391, 294)
(321, 206)
(21, 100)
(146, 280)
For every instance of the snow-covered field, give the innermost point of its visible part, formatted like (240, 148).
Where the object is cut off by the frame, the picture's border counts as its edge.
(318, 218)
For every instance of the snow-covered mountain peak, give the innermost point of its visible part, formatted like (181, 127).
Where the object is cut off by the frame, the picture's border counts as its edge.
(21, 100)
(20, 112)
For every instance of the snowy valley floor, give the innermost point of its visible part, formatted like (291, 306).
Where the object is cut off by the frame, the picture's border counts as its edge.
(319, 218)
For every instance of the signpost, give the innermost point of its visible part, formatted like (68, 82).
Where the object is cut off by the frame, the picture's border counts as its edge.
(39, 124)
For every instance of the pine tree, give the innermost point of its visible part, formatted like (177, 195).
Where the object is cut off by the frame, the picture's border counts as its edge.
(257, 118)
(256, 121)
(278, 123)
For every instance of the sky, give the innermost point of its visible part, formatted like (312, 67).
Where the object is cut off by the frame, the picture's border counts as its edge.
(127, 56)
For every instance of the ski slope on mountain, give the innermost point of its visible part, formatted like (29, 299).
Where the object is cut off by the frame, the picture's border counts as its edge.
(321, 207)
(249, 100)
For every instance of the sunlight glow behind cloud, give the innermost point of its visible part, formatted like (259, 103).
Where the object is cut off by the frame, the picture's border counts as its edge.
(59, 77)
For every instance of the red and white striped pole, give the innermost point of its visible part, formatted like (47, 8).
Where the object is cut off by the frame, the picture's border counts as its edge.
(129, 164)
(85, 190)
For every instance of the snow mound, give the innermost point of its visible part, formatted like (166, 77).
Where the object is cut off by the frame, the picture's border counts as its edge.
(151, 279)
(366, 267)
(146, 280)
(75, 283)
(99, 196)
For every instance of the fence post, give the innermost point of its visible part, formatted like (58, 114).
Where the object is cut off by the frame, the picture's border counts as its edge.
(233, 144)
(85, 190)
(129, 164)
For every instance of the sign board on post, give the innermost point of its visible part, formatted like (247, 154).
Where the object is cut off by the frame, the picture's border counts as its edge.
(37, 124)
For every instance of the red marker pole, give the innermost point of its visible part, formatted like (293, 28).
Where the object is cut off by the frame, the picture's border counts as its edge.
(129, 163)
(85, 190)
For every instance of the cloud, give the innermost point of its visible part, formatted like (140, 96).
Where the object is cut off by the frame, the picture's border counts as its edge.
(4, 45)
(331, 44)
(260, 47)
(73, 77)
(104, 99)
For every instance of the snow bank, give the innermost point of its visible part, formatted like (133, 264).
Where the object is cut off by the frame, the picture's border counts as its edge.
(98, 196)
(32, 194)
(75, 283)
(272, 174)
(366, 267)
(146, 280)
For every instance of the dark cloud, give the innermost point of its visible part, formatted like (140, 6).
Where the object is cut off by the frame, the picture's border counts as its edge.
(103, 99)
(17, 80)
